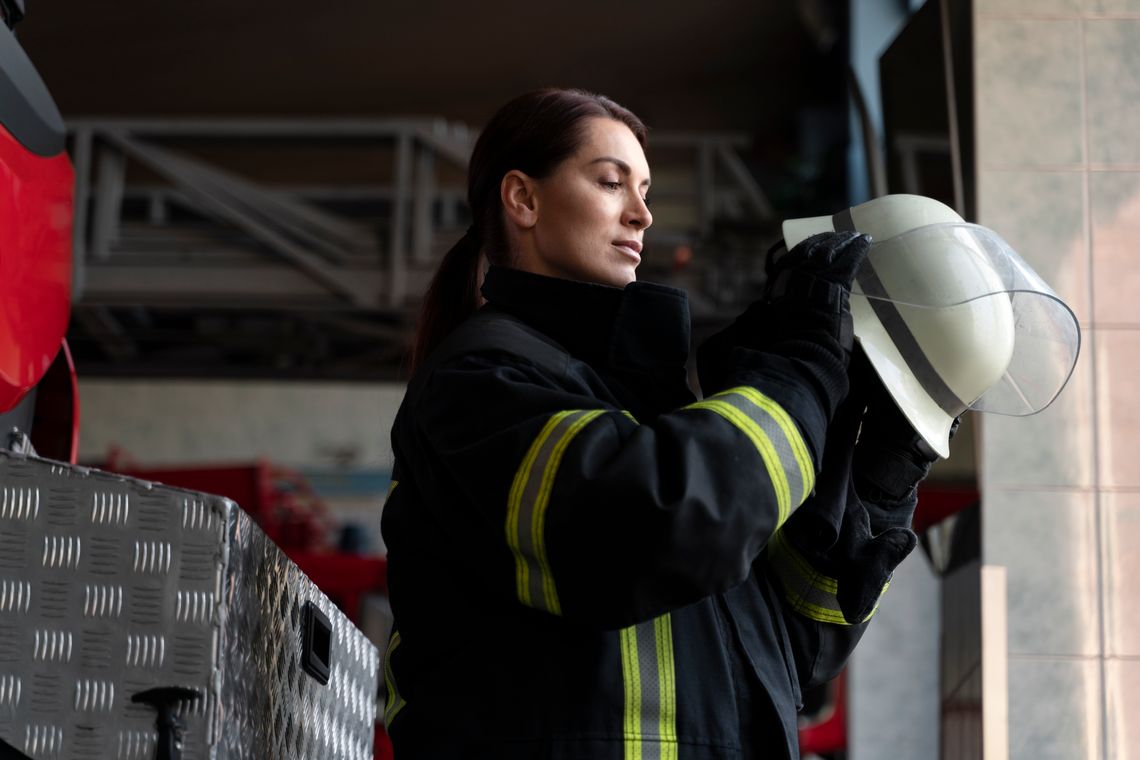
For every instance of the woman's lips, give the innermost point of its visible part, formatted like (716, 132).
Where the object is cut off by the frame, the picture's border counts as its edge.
(630, 248)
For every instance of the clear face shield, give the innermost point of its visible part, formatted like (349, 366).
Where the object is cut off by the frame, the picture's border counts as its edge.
(952, 312)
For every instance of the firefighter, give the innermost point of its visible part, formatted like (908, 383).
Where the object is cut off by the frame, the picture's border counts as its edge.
(585, 561)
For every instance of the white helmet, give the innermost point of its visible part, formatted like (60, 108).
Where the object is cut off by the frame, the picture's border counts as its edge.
(949, 315)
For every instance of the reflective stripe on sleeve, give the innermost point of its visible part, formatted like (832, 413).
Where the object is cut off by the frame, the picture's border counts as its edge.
(776, 438)
(649, 726)
(395, 702)
(808, 591)
(526, 508)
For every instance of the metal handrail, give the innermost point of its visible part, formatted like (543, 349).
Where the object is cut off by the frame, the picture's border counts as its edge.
(318, 256)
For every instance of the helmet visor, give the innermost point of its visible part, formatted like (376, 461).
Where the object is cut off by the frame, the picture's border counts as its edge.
(974, 324)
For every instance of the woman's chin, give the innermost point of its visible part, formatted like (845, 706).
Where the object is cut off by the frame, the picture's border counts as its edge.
(620, 275)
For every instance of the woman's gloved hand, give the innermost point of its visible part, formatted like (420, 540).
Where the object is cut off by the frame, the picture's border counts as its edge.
(806, 299)
(810, 285)
(833, 529)
(890, 459)
(831, 256)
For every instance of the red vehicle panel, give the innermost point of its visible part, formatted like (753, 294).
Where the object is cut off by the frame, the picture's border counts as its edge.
(36, 196)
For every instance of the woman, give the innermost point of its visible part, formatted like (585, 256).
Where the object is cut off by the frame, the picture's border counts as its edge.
(584, 560)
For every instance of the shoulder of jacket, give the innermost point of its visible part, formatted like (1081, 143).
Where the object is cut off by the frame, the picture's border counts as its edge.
(491, 331)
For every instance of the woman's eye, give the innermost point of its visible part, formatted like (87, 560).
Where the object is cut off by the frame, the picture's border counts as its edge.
(646, 201)
(611, 185)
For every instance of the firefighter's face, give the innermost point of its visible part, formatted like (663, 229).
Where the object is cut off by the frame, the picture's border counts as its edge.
(586, 220)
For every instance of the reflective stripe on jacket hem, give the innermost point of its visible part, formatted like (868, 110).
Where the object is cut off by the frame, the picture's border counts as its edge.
(649, 724)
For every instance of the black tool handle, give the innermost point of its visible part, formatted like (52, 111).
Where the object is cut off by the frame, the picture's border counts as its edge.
(164, 699)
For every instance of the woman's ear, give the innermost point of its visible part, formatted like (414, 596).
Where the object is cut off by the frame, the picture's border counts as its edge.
(520, 202)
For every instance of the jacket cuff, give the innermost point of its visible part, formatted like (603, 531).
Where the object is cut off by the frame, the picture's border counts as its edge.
(844, 585)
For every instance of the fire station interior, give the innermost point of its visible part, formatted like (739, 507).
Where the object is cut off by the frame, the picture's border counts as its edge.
(262, 193)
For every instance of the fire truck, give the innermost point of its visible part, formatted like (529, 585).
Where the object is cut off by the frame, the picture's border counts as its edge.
(38, 397)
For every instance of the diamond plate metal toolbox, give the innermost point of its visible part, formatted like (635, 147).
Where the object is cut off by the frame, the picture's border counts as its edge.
(111, 586)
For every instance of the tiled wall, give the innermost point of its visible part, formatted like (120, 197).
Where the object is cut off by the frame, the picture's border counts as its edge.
(1057, 86)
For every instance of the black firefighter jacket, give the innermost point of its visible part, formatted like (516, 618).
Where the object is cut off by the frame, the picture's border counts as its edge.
(587, 562)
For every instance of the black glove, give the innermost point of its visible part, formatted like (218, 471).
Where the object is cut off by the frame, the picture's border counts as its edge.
(831, 256)
(806, 299)
(833, 527)
(809, 287)
(816, 525)
(891, 458)
(869, 558)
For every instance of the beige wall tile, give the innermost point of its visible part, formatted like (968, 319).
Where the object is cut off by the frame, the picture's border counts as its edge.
(1028, 88)
(1121, 569)
(1041, 214)
(1051, 448)
(1054, 709)
(1111, 6)
(1112, 52)
(1027, 6)
(1115, 200)
(1123, 686)
(1118, 406)
(1047, 542)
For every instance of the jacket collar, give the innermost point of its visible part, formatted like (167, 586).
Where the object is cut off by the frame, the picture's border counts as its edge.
(641, 327)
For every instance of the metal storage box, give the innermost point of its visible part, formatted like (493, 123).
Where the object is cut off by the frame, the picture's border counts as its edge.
(111, 586)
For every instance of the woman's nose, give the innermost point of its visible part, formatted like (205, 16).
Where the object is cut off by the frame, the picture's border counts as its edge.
(638, 214)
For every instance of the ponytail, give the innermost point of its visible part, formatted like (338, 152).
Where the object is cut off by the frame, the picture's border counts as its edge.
(452, 297)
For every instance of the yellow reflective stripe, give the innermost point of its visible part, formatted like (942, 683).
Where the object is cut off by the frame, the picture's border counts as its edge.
(808, 591)
(539, 528)
(817, 580)
(526, 508)
(666, 687)
(514, 506)
(777, 439)
(782, 432)
(791, 432)
(763, 445)
(391, 488)
(630, 415)
(649, 721)
(631, 678)
(395, 702)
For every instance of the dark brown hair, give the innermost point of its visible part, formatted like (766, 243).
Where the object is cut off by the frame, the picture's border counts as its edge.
(533, 133)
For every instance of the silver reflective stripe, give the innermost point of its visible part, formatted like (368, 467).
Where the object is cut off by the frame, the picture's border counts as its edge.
(775, 437)
(841, 221)
(906, 343)
(790, 446)
(808, 591)
(650, 712)
(527, 503)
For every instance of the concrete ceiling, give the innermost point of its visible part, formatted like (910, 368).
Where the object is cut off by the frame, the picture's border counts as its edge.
(737, 64)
